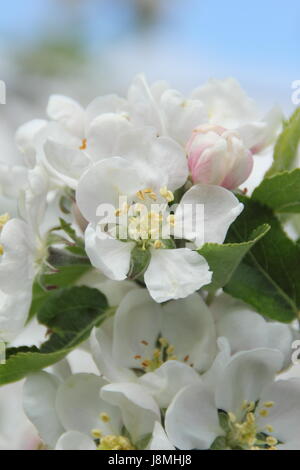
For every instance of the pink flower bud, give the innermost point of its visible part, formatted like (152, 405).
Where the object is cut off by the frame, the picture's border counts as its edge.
(218, 156)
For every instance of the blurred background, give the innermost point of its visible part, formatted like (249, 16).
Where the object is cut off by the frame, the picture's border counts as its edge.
(87, 47)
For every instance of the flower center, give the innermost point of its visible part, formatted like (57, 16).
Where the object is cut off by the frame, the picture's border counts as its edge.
(246, 434)
(148, 227)
(110, 441)
(163, 353)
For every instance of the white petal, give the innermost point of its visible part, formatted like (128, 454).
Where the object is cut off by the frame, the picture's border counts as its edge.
(175, 274)
(17, 262)
(137, 319)
(139, 410)
(160, 161)
(143, 106)
(192, 419)
(212, 376)
(159, 439)
(39, 397)
(101, 345)
(68, 112)
(109, 255)
(226, 103)
(66, 163)
(258, 135)
(33, 202)
(284, 416)
(247, 330)
(168, 380)
(245, 377)
(104, 105)
(74, 440)
(221, 208)
(182, 116)
(104, 183)
(14, 309)
(79, 405)
(25, 139)
(189, 326)
(13, 179)
(103, 134)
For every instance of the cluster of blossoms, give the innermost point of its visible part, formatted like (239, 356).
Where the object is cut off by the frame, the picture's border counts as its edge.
(142, 185)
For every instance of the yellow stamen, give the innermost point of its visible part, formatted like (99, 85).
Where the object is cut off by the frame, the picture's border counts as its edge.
(166, 194)
(115, 443)
(269, 428)
(163, 342)
(140, 195)
(105, 417)
(268, 404)
(232, 417)
(171, 219)
(170, 349)
(83, 145)
(272, 441)
(4, 218)
(264, 413)
(96, 433)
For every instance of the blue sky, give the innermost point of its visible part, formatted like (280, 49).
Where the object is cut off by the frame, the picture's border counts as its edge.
(257, 41)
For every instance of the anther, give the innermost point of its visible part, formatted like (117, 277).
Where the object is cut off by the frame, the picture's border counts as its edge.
(83, 145)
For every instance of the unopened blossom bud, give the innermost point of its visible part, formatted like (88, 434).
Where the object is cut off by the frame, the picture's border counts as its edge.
(218, 156)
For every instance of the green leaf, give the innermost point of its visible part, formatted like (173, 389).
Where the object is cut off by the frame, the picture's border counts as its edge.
(268, 278)
(139, 262)
(70, 315)
(224, 259)
(21, 364)
(65, 277)
(280, 192)
(286, 146)
(219, 443)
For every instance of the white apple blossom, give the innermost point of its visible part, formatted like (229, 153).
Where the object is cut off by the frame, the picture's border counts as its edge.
(85, 413)
(148, 171)
(245, 409)
(23, 251)
(245, 329)
(218, 156)
(218, 125)
(73, 138)
(228, 105)
(162, 347)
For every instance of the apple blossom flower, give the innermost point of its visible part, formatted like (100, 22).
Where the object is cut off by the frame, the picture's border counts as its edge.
(218, 124)
(162, 347)
(245, 329)
(73, 138)
(83, 412)
(218, 156)
(245, 409)
(148, 171)
(228, 105)
(165, 109)
(23, 251)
